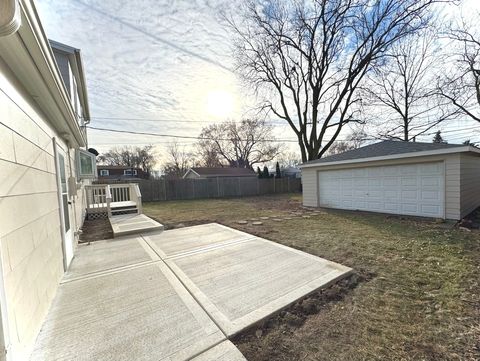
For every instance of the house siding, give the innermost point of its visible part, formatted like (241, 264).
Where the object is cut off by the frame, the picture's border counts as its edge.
(452, 179)
(31, 234)
(310, 187)
(469, 183)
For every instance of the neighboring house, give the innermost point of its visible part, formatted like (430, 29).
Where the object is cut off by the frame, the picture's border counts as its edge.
(116, 172)
(204, 172)
(291, 172)
(418, 179)
(44, 166)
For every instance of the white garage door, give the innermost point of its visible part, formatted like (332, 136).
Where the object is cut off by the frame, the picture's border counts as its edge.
(413, 189)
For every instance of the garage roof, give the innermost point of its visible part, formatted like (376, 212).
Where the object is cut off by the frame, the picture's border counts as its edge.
(390, 149)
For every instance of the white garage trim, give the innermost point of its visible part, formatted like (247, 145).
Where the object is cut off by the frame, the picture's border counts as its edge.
(467, 148)
(416, 189)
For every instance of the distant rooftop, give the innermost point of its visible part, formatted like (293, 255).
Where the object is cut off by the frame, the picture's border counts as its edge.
(223, 172)
(384, 148)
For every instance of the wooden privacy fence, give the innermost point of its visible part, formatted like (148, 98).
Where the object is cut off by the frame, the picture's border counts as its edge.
(177, 189)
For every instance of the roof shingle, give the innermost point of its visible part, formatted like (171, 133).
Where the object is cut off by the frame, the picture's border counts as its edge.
(223, 172)
(384, 148)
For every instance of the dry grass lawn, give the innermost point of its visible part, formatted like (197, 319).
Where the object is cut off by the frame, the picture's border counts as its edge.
(415, 295)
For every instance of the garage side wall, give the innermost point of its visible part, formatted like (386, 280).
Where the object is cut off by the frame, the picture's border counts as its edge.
(310, 187)
(469, 184)
(452, 179)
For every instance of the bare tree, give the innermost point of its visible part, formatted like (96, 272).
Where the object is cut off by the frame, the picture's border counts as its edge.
(461, 85)
(179, 161)
(355, 140)
(240, 145)
(208, 157)
(289, 159)
(311, 56)
(437, 138)
(402, 95)
(135, 157)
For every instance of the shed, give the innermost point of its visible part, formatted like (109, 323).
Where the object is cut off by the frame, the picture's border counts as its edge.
(408, 178)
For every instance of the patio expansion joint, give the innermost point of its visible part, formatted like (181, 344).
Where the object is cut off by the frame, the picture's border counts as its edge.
(110, 271)
(192, 295)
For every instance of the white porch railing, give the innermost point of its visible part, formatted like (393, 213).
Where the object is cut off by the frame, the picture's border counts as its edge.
(108, 197)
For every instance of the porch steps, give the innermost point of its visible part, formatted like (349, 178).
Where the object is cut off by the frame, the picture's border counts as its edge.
(116, 211)
(126, 224)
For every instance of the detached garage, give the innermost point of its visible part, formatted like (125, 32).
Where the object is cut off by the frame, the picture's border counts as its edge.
(417, 179)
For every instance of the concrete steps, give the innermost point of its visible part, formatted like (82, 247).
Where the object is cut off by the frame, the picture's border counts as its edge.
(126, 224)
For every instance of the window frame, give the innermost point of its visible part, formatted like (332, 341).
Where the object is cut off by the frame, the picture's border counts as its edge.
(79, 171)
(132, 172)
(104, 172)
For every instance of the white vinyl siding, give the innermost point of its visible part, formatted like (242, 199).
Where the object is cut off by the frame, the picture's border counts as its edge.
(469, 183)
(30, 233)
(309, 187)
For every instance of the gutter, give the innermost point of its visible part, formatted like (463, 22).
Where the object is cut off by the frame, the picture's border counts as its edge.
(10, 17)
(467, 148)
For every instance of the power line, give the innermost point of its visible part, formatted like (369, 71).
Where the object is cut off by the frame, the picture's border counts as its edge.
(179, 136)
(272, 122)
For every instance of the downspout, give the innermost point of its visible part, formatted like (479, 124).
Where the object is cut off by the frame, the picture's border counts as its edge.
(10, 17)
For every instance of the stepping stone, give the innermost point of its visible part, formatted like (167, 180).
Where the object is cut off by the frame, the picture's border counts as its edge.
(253, 219)
(264, 218)
(242, 222)
(257, 223)
(277, 219)
(306, 216)
(287, 218)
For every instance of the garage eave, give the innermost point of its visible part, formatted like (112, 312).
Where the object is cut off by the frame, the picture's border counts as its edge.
(467, 148)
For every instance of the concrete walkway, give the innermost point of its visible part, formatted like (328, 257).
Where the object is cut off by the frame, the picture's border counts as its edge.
(175, 295)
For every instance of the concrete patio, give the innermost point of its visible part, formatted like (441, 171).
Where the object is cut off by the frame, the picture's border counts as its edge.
(174, 295)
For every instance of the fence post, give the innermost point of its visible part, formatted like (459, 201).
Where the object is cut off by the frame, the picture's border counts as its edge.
(288, 184)
(193, 187)
(165, 188)
(258, 186)
(218, 189)
(239, 188)
(274, 185)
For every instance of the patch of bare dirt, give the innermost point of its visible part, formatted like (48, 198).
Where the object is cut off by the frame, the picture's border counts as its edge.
(95, 230)
(266, 341)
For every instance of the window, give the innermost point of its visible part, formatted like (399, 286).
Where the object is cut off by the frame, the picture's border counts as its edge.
(86, 165)
(104, 172)
(130, 172)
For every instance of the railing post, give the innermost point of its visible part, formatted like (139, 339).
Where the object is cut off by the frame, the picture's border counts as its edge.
(108, 197)
(138, 194)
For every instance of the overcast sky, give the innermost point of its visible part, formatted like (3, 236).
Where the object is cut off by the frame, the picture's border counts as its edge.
(156, 66)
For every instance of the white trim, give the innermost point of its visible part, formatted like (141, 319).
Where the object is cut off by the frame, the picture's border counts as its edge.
(467, 148)
(93, 161)
(130, 172)
(190, 170)
(30, 58)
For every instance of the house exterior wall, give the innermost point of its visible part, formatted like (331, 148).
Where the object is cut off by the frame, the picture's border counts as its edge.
(452, 179)
(118, 173)
(469, 184)
(31, 234)
(310, 187)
